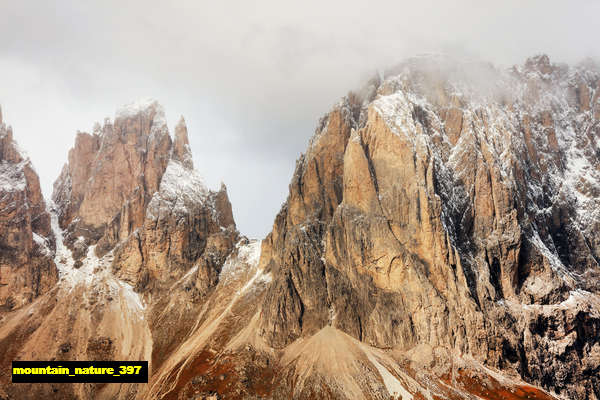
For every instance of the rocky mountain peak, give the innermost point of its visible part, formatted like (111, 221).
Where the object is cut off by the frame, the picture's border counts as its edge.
(120, 163)
(147, 108)
(458, 188)
(181, 145)
(124, 180)
(539, 63)
(27, 245)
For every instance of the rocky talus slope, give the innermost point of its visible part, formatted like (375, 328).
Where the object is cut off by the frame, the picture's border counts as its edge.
(440, 240)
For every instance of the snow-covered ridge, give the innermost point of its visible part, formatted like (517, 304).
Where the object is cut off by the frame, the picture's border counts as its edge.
(179, 187)
(179, 181)
(539, 119)
(493, 116)
(396, 110)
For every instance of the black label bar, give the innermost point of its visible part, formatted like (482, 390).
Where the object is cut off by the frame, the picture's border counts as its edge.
(80, 371)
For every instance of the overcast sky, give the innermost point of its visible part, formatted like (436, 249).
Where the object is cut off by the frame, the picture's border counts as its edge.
(251, 77)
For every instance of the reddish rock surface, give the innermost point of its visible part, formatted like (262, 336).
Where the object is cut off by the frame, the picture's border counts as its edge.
(27, 245)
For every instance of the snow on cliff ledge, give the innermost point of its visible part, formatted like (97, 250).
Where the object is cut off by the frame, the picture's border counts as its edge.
(179, 187)
(147, 107)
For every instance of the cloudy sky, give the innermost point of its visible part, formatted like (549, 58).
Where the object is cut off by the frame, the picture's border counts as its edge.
(251, 77)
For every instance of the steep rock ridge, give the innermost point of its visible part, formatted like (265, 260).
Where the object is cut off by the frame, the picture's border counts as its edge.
(129, 184)
(160, 221)
(103, 190)
(294, 249)
(27, 244)
(183, 222)
(454, 205)
(175, 257)
(141, 234)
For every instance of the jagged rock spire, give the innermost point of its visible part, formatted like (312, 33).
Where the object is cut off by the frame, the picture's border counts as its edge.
(181, 146)
(540, 63)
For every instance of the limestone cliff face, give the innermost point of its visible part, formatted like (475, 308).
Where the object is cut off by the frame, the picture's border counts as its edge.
(183, 222)
(137, 234)
(129, 184)
(143, 204)
(103, 190)
(27, 245)
(454, 205)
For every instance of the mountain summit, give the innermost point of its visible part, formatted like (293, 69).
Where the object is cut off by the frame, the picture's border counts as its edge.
(440, 239)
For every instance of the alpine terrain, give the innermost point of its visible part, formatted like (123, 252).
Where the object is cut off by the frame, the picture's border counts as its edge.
(440, 240)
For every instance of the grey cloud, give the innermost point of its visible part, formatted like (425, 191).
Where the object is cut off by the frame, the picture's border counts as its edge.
(251, 78)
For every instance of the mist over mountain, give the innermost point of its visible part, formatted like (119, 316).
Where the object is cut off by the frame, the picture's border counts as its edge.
(440, 239)
(252, 79)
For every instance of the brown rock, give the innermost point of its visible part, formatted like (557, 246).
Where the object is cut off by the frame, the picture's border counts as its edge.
(27, 245)
(181, 145)
(119, 166)
(443, 224)
(444, 245)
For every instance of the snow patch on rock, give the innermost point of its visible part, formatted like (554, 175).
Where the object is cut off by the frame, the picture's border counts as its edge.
(179, 188)
(12, 178)
(94, 272)
(244, 258)
(42, 243)
(64, 257)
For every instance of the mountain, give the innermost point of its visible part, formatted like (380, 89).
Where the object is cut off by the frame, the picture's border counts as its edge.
(27, 269)
(140, 241)
(450, 206)
(440, 240)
